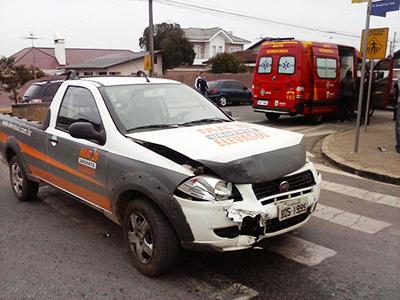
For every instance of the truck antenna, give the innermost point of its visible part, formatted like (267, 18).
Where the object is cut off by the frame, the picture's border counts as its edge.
(141, 73)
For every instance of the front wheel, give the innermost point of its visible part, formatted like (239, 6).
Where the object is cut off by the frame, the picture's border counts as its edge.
(24, 189)
(222, 101)
(272, 116)
(152, 243)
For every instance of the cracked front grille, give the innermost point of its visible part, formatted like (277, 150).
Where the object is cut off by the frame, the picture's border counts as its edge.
(296, 182)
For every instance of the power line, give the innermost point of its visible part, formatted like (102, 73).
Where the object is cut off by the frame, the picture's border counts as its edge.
(250, 18)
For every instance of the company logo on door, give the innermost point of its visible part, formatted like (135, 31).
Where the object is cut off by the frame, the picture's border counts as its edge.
(226, 135)
(87, 161)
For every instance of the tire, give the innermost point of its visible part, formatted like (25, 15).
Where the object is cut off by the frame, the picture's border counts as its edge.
(152, 243)
(315, 118)
(24, 189)
(272, 116)
(222, 101)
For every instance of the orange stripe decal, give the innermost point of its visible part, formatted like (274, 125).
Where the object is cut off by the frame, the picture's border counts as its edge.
(41, 156)
(86, 194)
(3, 137)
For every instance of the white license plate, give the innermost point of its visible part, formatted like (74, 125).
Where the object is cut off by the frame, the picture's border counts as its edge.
(291, 208)
(262, 102)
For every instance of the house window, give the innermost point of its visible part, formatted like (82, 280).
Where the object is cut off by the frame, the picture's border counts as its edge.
(198, 49)
(214, 50)
(102, 73)
(233, 49)
(115, 73)
(220, 50)
(88, 73)
(155, 60)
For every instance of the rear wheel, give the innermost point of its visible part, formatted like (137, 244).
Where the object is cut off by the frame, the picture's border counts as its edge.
(152, 243)
(315, 118)
(24, 189)
(222, 101)
(272, 116)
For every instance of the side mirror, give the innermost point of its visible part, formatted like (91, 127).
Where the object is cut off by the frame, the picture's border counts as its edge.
(86, 131)
(245, 88)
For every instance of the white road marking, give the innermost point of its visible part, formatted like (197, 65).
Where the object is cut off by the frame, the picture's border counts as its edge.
(299, 250)
(327, 169)
(350, 220)
(309, 154)
(300, 129)
(361, 194)
(312, 128)
(332, 170)
(318, 133)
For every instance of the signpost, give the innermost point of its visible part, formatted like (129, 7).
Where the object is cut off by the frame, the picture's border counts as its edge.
(376, 49)
(380, 8)
(376, 43)
(361, 95)
(147, 62)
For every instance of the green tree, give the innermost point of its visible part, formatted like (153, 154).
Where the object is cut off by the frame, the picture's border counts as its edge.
(226, 63)
(170, 38)
(13, 77)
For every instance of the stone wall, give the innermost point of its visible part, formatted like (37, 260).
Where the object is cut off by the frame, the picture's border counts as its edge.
(188, 77)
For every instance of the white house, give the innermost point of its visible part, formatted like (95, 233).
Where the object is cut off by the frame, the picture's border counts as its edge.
(207, 42)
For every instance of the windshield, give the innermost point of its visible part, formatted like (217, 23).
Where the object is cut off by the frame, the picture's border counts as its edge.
(161, 106)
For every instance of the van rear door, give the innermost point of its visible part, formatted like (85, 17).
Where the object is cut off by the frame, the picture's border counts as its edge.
(276, 77)
(326, 78)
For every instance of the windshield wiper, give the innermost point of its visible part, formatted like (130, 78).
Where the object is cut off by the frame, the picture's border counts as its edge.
(207, 120)
(155, 126)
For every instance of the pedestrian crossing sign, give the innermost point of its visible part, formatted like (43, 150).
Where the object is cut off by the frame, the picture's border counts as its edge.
(377, 43)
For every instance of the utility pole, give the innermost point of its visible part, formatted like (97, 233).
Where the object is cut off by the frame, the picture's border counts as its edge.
(32, 38)
(393, 44)
(151, 37)
(364, 60)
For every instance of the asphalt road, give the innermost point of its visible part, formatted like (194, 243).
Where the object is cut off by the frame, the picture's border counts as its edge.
(57, 248)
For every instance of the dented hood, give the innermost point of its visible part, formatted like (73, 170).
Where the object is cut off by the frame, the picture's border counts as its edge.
(238, 152)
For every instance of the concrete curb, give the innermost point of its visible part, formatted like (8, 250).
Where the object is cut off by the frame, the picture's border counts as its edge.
(355, 168)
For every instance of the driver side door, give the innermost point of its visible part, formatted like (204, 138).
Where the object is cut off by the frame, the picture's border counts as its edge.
(75, 165)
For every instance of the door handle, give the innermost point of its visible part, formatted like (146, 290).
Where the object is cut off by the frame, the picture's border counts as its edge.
(53, 140)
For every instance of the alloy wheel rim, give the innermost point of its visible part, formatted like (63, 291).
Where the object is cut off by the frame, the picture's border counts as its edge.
(17, 179)
(140, 238)
(222, 101)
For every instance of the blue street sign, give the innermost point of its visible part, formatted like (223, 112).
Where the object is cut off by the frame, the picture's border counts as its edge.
(380, 8)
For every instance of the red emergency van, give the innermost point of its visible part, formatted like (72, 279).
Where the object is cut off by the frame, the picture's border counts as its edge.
(294, 77)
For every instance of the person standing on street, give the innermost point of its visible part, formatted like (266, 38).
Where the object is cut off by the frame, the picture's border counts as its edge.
(201, 84)
(396, 96)
(397, 109)
(348, 92)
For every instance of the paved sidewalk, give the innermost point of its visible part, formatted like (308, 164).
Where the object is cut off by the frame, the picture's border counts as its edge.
(377, 157)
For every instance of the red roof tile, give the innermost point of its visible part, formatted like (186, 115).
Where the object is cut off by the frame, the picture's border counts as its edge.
(45, 57)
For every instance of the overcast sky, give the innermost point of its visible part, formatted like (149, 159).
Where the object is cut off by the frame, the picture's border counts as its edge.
(119, 23)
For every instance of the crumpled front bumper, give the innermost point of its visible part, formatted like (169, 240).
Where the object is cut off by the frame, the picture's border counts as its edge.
(229, 225)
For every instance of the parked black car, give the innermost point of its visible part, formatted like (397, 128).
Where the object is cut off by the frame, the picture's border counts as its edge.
(43, 91)
(223, 92)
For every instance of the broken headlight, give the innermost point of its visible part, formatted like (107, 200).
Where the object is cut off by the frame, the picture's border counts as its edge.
(206, 188)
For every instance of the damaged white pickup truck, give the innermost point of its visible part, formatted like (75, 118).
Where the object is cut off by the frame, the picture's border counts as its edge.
(166, 164)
